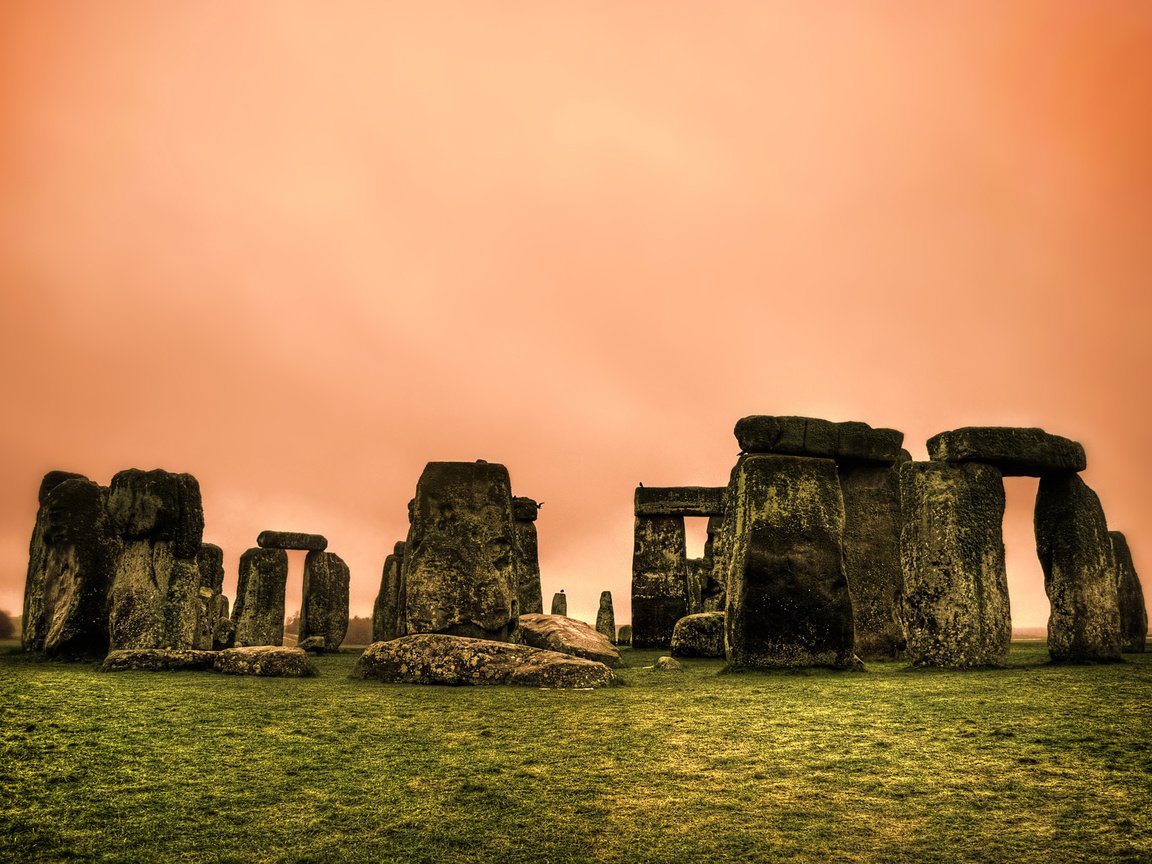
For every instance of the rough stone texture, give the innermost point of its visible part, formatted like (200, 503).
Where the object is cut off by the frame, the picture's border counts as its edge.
(528, 592)
(699, 635)
(1130, 598)
(53, 479)
(659, 580)
(712, 593)
(313, 645)
(460, 569)
(872, 524)
(454, 660)
(567, 636)
(1079, 572)
(155, 597)
(667, 664)
(606, 617)
(788, 603)
(955, 604)
(1016, 451)
(210, 562)
(679, 500)
(624, 635)
(387, 620)
(809, 436)
(157, 660)
(224, 636)
(559, 603)
(258, 616)
(206, 621)
(291, 540)
(324, 600)
(70, 565)
(158, 505)
(267, 660)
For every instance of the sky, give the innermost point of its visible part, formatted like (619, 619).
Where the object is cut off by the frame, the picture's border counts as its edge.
(299, 250)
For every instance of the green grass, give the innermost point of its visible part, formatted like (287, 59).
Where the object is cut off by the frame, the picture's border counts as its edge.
(1031, 763)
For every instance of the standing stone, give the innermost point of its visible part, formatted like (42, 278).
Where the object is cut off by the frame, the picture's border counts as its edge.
(324, 603)
(788, 603)
(624, 635)
(605, 617)
(224, 636)
(559, 603)
(154, 601)
(386, 617)
(659, 580)
(460, 568)
(1079, 571)
(525, 511)
(955, 604)
(210, 563)
(872, 557)
(258, 616)
(1130, 596)
(712, 599)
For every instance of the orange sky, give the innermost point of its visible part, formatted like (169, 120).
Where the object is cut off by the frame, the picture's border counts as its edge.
(301, 249)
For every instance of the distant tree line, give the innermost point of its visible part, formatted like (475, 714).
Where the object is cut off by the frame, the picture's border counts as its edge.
(359, 629)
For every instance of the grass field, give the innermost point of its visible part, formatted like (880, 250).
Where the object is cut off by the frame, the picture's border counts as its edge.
(1031, 763)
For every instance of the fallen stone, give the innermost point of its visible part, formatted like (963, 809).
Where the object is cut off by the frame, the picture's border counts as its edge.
(1015, 451)
(528, 592)
(1080, 574)
(312, 645)
(434, 658)
(955, 604)
(850, 441)
(291, 540)
(606, 617)
(659, 580)
(699, 635)
(266, 660)
(324, 600)
(158, 505)
(624, 634)
(387, 619)
(679, 500)
(157, 660)
(559, 603)
(667, 664)
(567, 636)
(1130, 598)
(258, 615)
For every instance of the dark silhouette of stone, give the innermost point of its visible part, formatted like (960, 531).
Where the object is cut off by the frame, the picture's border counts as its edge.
(530, 598)
(460, 570)
(699, 635)
(697, 572)
(955, 604)
(1130, 598)
(809, 436)
(788, 603)
(158, 506)
(659, 580)
(1015, 451)
(568, 636)
(624, 635)
(606, 617)
(872, 524)
(258, 615)
(324, 604)
(291, 540)
(158, 660)
(559, 603)
(1080, 574)
(53, 479)
(210, 563)
(266, 660)
(713, 573)
(679, 500)
(387, 619)
(435, 658)
(224, 636)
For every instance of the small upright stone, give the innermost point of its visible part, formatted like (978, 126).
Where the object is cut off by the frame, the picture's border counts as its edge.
(624, 635)
(258, 616)
(605, 617)
(1133, 614)
(525, 511)
(291, 540)
(1016, 451)
(210, 563)
(387, 619)
(559, 603)
(324, 603)
(1079, 572)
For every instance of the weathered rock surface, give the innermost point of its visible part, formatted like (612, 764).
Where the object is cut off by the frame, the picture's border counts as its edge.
(158, 506)
(679, 500)
(567, 636)
(460, 568)
(525, 509)
(210, 562)
(659, 580)
(157, 660)
(559, 603)
(528, 592)
(606, 617)
(213, 605)
(872, 523)
(291, 540)
(667, 664)
(53, 479)
(324, 601)
(1079, 571)
(788, 603)
(312, 645)
(699, 635)
(851, 441)
(1016, 451)
(714, 572)
(258, 615)
(387, 617)
(267, 660)
(1130, 598)
(455, 660)
(624, 635)
(155, 597)
(955, 603)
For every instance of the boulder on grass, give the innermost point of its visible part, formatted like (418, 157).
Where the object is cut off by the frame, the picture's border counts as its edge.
(157, 660)
(568, 636)
(699, 635)
(267, 660)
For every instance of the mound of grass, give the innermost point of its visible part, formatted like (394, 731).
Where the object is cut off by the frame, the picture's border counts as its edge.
(1030, 763)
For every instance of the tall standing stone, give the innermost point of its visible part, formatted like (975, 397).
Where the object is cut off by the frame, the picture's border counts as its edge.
(210, 563)
(606, 617)
(525, 511)
(1130, 596)
(386, 614)
(659, 580)
(788, 603)
(460, 568)
(258, 614)
(955, 603)
(1079, 571)
(324, 604)
(559, 603)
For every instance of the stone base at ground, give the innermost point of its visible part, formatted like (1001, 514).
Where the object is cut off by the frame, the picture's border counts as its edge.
(567, 636)
(267, 660)
(157, 660)
(699, 635)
